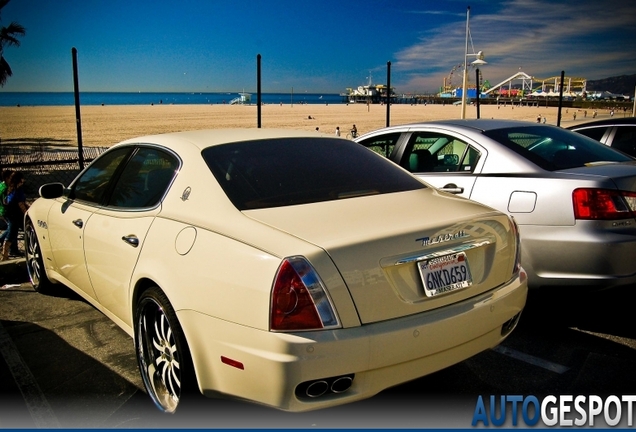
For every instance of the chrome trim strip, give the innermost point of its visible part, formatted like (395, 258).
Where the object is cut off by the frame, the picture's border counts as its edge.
(460, 248)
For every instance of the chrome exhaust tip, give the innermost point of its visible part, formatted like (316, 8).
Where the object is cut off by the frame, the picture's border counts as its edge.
(510, 325)
(341, 384)
(317, 389)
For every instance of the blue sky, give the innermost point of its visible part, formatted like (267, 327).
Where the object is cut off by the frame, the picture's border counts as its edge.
(312, 46)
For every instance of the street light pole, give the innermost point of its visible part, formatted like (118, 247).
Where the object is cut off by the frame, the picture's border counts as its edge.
(465, 76)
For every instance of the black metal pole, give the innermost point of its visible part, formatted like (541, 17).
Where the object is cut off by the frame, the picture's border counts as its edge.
(560, 99)
(478, 92)
(258, 90)
(78, 120)
(388, 94)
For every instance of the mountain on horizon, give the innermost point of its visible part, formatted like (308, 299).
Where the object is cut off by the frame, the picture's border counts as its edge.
(623, 84)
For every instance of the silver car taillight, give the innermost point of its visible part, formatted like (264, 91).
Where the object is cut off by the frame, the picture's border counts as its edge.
(603, 204)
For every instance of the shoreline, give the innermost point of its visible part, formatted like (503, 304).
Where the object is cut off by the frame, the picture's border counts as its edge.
(103, 126)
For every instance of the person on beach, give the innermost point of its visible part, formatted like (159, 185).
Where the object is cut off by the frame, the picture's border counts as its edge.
(354, 131)
(337, 131)
(15, 208)
(4, 185)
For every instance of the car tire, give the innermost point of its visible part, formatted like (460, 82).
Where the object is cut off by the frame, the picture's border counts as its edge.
(34, 261)
(162, 352)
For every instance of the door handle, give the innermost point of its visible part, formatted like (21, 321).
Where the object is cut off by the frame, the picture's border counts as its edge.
(131, 239)
(78, 223)
(452, 188)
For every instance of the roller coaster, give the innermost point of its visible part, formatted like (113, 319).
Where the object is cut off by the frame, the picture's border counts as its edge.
(548, 86)
(522, 84)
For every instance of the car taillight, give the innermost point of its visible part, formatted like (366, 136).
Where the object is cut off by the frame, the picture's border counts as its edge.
(603, 204)
(515, 229)
(299, 299)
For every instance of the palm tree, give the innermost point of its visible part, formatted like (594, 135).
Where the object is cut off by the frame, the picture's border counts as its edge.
(8, 37)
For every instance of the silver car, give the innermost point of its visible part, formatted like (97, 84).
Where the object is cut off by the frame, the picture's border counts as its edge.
(573, 198)
(619, 133)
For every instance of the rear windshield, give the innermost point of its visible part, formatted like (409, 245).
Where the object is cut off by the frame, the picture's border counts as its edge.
(290, 171)
(553, 148)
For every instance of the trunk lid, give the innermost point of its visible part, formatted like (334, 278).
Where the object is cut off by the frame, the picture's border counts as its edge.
(376, 242)
(622, 175)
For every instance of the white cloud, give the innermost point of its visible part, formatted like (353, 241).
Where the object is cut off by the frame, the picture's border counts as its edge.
(587, 38)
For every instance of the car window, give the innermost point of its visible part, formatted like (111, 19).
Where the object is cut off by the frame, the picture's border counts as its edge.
(94, 182)
(553, 148)
(437, 152)
(292, 171)
(382, 144)
(625, 140)
(596, 133)
(144, 179)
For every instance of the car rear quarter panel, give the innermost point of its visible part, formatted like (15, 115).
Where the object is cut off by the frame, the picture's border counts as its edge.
(226, 278)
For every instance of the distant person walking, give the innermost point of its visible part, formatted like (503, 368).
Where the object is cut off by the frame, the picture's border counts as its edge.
(337, 131)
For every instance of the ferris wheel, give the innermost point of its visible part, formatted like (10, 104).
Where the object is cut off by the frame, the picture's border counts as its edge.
(457, 73)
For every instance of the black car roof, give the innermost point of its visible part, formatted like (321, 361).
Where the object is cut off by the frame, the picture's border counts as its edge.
(606, 122)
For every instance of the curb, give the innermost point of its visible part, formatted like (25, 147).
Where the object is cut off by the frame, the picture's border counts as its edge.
(13, 271)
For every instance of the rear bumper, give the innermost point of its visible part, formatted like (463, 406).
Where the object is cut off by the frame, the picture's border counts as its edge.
(380, 355)
(588, 254)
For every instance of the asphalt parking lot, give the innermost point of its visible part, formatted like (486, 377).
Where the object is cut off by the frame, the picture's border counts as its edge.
(64, 364)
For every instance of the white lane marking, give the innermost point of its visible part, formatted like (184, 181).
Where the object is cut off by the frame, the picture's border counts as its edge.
(36, 402)
(542, 363)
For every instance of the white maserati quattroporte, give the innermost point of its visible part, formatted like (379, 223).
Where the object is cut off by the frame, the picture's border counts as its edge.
(292, 269)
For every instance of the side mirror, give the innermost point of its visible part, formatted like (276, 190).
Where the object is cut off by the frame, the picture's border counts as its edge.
(51, 190)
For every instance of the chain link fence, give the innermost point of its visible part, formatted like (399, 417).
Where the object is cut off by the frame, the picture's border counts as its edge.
(45, 163)
(41, 164)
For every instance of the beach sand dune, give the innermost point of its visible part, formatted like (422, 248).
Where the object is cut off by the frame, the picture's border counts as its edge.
(107, 125)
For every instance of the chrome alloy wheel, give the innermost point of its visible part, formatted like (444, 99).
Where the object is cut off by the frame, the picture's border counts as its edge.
(34, 261)
(158, 354)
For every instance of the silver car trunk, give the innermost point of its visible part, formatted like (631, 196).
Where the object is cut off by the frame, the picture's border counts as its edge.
(379, 252)
(623, 175)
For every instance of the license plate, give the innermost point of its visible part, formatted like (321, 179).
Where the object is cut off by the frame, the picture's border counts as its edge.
(444, 274)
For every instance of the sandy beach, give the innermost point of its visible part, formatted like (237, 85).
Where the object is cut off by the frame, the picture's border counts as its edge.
(107, 125)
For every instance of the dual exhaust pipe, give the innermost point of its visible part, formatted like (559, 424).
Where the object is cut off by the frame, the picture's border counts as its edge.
(320, 387)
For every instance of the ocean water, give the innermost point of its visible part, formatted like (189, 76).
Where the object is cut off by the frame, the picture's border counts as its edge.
(106, 98)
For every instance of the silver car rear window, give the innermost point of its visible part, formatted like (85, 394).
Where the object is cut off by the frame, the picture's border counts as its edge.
(291, 171)
(553, 148)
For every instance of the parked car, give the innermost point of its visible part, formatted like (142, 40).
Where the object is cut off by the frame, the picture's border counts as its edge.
(619, 133)
(573, 198)
(293, 269)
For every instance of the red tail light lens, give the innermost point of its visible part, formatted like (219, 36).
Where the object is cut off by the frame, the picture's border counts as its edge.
(299, 299)
(517, 263)
(603, 204)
